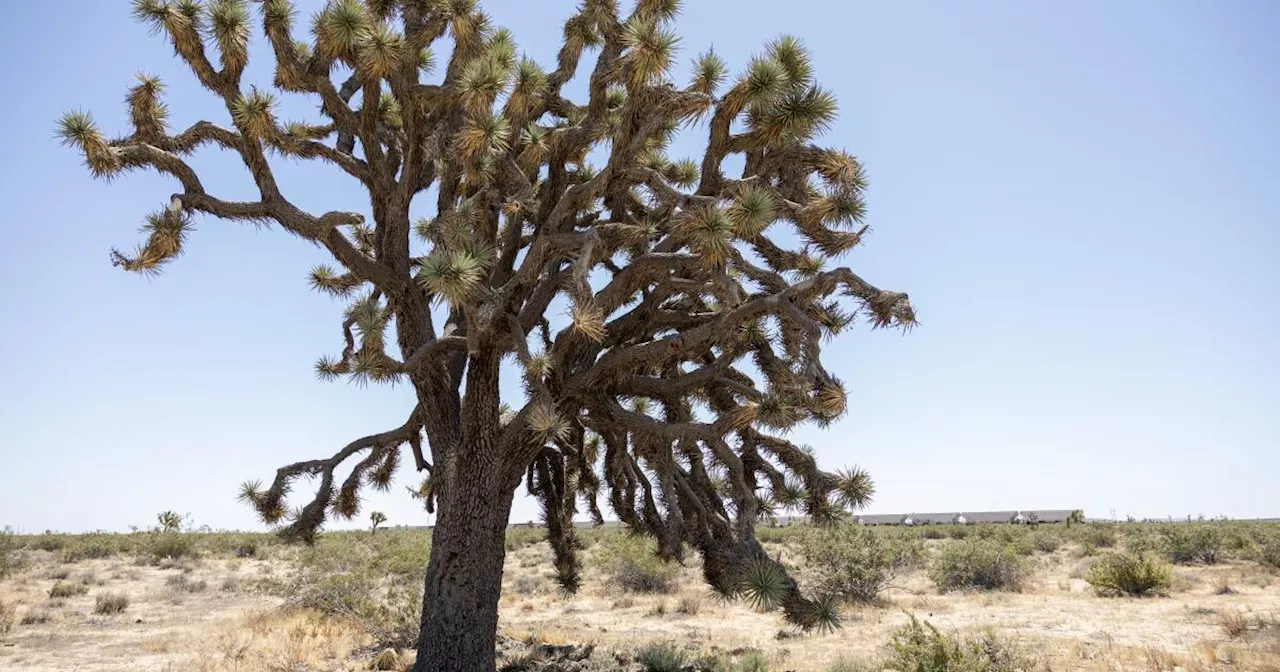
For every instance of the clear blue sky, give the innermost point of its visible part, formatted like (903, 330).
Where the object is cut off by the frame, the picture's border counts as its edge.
(1080, 197)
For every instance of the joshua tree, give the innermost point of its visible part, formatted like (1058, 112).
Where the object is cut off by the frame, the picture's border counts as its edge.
(1076, 516)
(665, 318)
(376, 518)
(170, 521)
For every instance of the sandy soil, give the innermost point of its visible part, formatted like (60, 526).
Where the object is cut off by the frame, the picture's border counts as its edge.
(172, 624)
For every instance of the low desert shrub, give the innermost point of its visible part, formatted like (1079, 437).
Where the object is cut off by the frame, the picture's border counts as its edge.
(1119, 574)
(1191, 543)
(1045, 541)
(170, 546)
(519, 537)
(979, 565)
(920, 647)
(1269, 551)
(689, 605)
(184, 583)
(1234, 624)
(36, 617)
(8, 614)
(752, 662)
(854, 562)
(65, 589)
(372, 580)
(47, 542)
(110, 603)
(8, 552)
(1097, 535)
(661, 658)
(91, 547)
(630, 562)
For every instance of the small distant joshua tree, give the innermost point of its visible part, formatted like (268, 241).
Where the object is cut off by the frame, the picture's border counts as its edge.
(376, 518)
(665, 315)
(1076, 516)
(169, 521)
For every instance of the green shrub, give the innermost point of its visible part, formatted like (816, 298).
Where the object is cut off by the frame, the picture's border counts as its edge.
(1190, 543)
(110, 603)
(752, 662)
(64, 589)
(1046, 541)
(1124, 574)
(630, 562)
(960, 531)
(661, 658)
(854, 562)
(8, 552)
(920, 647)
(519, 537)
(372, 580)
(1269, 551)
(92, 547)
(1097, 535)
(48, 542)
(977, 564)
(171, 546)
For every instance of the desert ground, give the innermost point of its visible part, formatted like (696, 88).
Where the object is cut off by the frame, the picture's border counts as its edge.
(151, 602)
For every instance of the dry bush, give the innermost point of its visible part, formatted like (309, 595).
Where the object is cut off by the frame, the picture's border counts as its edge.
(8, 613)
(184, 583)
(855, 563)
(624, 602)
(1046, 541)
(374, 581)
(658, 608)
(689, 605)
(978, 564)
(110, 603)
(1120, 574)
(661, 658)
(920, 647)
(65, 589)
(36, 617)
(1269, 551)
(528, 584)
(1234, 624)
(58, 573)
(1096, 535)
(8, 553)
(1194, 543)
(630, 562)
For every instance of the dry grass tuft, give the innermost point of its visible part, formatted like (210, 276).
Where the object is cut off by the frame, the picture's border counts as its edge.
(8, 614)
(1234, 624)
(689, 605)
(36, 617)
(64, 589)
(111, 603)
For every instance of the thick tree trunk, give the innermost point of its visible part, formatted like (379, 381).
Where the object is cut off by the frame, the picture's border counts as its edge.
(464, 577)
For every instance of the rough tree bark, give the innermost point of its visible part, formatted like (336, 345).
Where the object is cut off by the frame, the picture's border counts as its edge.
(464, 577)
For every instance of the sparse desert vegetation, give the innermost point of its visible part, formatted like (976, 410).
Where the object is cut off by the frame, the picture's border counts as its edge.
(909, 599)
